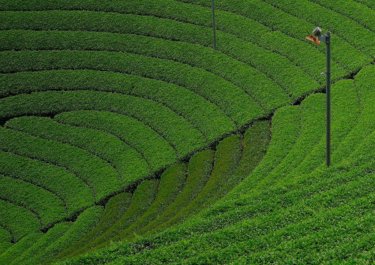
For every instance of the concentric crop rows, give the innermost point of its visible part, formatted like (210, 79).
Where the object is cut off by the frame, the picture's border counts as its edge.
(182, 190)
(284, 211)
(97, 95)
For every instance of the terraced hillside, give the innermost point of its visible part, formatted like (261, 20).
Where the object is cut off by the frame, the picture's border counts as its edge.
(290, 209)
(120, 123)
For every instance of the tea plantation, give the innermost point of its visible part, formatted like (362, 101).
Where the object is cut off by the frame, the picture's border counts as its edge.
(126, 138)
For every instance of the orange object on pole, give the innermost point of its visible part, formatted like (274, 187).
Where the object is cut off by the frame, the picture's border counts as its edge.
(313, 39)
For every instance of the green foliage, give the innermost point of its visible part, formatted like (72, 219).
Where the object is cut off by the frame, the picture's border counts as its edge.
(231, 99)
(199, 169)
(128, 163)
(211, 120)
(18, 220)
(276, 19)
(45, 204)
(5, 240)
(73, 191)
(170, 185)
(86, 166)
(323, 215)
(84, 223)
(184, 137)
(142, 198)
(113, 211)
(344, 27)
(43, 242)
(129, 130)
(352, 9)
(18, 249)
(128, 88)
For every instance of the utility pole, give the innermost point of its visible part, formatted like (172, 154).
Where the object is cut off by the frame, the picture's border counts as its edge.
(213, 23)
(328, 98)
(316, 37)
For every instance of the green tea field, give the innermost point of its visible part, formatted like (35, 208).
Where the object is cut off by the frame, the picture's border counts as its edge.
(169, 132)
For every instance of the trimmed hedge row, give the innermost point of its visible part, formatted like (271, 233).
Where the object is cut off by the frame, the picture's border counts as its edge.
(43, 242)
(198, 172)
(365, 124)
(356, 11)
(311, 129)
(276, 19)
(226, 160)
(142, 198)
(344, 27)
(202, 112)
(201, 58)
(232, 100)
(84, 223)
(313, 185)
(149, 143)
(18, 220)
(88, 167)
(242, 27)
(16, 250)
(339, 187)
(368, 3)
(302, 187)
(273, 246)
(345, 113)
(113, 211)
(170, 185)
(73, 191)
(183, 137)
(177, 191)
(5, 240)
(281, 68)
(280, 136)
(283, 139)
(327, 191)
(127, 161)
(48, 207)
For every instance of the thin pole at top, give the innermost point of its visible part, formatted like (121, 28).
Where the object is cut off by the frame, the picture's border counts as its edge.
(328, 92)
(213, 23)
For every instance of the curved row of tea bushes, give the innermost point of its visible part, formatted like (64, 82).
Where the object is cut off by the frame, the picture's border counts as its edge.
(305, 215)
(348, 56)
(356, 11)
(228, 97)
(204, 59)
(125, 159)
(202, 111)
(20, 247)
(5, 239)
(257, 57)
(344, 27)
(18, 220)
(46, 205)
(183, 190)
(183, 137)
(57, 180)
(186, 189)
(86, 166)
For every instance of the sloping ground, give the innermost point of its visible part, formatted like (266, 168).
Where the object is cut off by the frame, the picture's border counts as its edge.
(291, 209)
(97, 95)
(183, 190)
